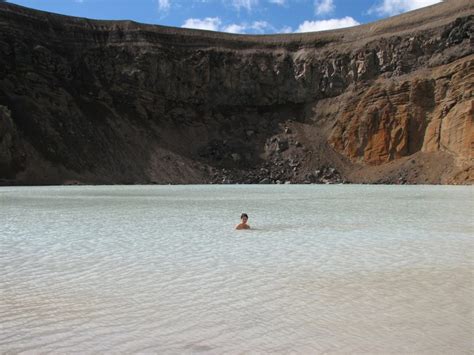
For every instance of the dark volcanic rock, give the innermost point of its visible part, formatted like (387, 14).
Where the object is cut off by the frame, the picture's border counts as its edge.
(88, 101)
(11, 153)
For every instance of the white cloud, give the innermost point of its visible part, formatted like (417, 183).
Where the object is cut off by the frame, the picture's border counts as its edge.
(208, 23)
(322, 7)
(255, 27)
(246, 4)
(260, 26)
(286, 29)
(313, 26)
(394, 7)
(234, 28)
(215, 24)
(278, 2)
(164, 5)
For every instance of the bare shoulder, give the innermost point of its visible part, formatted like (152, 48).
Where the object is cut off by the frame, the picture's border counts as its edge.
(242, 226)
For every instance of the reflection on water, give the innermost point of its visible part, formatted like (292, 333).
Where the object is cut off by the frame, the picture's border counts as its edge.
(336, 269)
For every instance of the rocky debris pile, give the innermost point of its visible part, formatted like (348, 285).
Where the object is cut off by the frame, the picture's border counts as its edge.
(277, 174)
(225, 153)
(325, 175)
(401, 178)
(277, 145)
(285, 161)
(215, 150)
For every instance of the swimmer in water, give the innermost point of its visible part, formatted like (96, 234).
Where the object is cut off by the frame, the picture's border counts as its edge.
(243, 222)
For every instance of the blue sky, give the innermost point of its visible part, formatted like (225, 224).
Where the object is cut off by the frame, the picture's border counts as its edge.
(236, 16)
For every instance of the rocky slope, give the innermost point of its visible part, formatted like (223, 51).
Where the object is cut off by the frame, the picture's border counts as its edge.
(85, 101)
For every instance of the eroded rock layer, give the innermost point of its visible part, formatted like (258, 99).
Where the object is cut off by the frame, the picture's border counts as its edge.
(85, 101)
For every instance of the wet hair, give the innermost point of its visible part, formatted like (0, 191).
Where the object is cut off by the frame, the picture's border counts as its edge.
(244, 215)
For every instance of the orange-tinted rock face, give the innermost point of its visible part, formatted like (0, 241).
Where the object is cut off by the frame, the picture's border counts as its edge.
(450, 128)
(374, 128)
(428, 111)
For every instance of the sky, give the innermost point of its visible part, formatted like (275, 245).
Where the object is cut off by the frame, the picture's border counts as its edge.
(236, 16)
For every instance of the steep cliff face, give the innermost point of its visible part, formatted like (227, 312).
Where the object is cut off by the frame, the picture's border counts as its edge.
(429, 111)
(119, 102)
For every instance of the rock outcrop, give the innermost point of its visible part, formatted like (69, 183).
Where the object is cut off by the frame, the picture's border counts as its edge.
(85, 101)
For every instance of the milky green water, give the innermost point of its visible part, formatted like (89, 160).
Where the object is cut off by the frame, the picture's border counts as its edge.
(160, 269)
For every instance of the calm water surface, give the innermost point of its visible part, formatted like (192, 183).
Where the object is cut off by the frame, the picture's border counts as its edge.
(327, 269)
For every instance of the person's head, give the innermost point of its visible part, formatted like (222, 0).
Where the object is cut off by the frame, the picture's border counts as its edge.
(244, 218)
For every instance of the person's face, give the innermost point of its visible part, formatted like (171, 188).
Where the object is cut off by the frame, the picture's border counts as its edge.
(244, 219)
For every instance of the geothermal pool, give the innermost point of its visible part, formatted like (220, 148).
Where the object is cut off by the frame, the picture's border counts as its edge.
(335, 269)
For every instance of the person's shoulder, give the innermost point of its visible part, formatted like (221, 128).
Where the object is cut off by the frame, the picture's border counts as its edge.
(242, 226)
